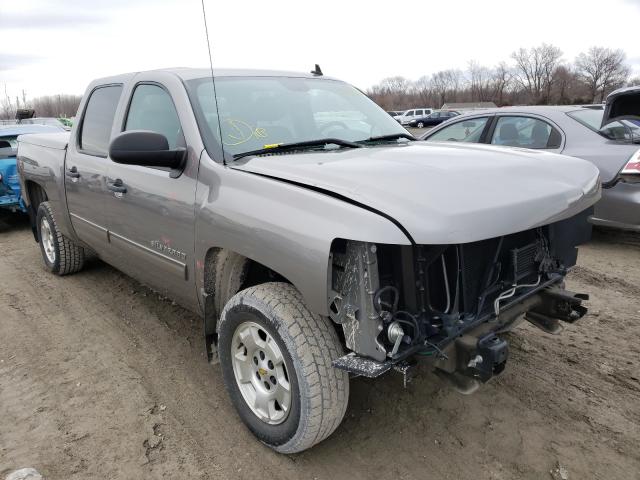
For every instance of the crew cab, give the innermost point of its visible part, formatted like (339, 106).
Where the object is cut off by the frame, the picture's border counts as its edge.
(316, 238)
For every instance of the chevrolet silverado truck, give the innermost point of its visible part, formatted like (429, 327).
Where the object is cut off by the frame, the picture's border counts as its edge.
(314, 235)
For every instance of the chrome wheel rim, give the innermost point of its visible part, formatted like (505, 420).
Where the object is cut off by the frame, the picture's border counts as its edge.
(261, 373)
(46, 237)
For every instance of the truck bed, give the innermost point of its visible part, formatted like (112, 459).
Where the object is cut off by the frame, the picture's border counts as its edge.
(58, 141)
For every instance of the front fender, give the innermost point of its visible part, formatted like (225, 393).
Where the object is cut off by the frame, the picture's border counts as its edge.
(288, 228)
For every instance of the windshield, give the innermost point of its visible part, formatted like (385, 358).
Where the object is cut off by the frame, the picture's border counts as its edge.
(262, 111)
(627, 129)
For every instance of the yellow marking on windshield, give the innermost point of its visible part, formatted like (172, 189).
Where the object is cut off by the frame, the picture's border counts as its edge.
(239, 132)
(272, 145)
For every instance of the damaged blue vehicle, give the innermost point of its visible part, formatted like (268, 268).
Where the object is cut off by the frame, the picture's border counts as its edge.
(10, 198)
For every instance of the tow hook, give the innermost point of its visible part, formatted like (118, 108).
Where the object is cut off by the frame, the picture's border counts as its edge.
(557, 304)
(490, 358)
(481, 358)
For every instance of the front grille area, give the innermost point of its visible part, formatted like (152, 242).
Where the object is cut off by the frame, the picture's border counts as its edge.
(477, 272)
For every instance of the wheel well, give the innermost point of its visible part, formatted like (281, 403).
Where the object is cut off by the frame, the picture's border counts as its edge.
(247, 273)
(36, 195)
(256, 273)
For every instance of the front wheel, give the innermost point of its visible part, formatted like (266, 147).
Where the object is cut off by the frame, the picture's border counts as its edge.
(420, 125)
(60, 254)
(276, 358)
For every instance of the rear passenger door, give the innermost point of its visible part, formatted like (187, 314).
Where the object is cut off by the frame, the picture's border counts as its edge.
(151, 209)
(525, 132)
(86, 168)
(471, 130)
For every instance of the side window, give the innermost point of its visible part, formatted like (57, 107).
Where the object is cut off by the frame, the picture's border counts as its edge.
(465, 131)
(152, 109)
(98, 120)
(410, 113)
(420, 113)
(525, 132)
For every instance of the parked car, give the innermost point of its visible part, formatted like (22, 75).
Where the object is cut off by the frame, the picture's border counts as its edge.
(584, 132)
(434, 118)
(395, 113)
(409, 115)
(312, 249)
(10, 191)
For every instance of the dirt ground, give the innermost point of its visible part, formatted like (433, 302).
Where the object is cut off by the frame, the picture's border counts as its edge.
(100, 378)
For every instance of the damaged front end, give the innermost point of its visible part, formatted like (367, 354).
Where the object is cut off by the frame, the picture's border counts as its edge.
(448, 304)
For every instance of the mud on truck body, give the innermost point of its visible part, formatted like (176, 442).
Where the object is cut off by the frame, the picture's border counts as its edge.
(313, 234)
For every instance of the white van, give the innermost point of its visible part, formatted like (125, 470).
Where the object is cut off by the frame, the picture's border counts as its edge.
(409, 115)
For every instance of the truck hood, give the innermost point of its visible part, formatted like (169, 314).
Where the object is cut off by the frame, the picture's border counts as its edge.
(444, 193)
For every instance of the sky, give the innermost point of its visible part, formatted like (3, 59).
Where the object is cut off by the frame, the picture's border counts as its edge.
(59, 46)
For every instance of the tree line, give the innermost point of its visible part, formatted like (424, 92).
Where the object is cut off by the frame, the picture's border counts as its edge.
(45, 106)
(535, 76)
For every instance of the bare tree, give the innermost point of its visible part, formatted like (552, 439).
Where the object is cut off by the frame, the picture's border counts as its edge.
(502, 78)
(538, 75)
(602, 69)
(423, 90)
(479, 81)
(396, 84)
(8, 110)
(535, 68)
(565, 80)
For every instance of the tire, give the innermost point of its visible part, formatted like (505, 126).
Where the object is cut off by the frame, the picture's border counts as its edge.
(308, 343)
(420, 125)
(60, 254)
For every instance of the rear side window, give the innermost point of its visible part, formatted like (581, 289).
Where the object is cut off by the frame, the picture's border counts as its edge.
(98, 120)
(466, 131)
(152, 109)
(526, 132)
(589, 117)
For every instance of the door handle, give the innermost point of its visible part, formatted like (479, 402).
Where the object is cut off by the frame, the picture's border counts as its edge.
(117, 187)
(72, 173)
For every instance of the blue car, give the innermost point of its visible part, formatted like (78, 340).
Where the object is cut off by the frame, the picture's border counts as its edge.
(9, 185)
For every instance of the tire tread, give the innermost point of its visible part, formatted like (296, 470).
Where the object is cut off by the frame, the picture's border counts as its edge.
(70, 255)
(316, 344)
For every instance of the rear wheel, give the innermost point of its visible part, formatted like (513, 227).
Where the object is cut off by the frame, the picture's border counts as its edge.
(276, 359)
(60, 254)
(420, 125)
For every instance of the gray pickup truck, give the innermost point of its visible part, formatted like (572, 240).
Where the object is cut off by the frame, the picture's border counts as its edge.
(313, 234)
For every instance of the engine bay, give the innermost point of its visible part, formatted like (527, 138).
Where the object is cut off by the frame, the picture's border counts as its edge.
(447, 303)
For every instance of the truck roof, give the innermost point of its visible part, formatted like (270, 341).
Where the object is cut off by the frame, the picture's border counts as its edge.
(186, 73)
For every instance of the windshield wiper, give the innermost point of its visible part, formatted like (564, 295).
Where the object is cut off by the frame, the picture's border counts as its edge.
(392, 136)
(283, 147)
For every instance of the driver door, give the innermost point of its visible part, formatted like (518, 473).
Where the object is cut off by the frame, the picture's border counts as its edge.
(151, 212)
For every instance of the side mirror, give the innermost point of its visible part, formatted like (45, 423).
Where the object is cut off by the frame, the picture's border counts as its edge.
(145, 148)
